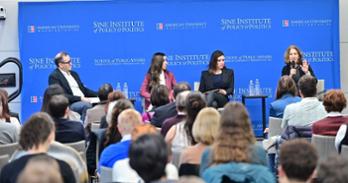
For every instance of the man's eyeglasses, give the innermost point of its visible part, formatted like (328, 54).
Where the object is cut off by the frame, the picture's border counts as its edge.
(68, 62)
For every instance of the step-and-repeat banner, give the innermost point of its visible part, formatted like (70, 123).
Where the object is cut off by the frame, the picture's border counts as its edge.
(113, 41)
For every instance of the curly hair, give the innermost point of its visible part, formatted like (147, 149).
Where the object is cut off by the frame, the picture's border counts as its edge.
(235, 135)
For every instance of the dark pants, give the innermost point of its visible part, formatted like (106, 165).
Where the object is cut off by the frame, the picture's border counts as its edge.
(216, 100)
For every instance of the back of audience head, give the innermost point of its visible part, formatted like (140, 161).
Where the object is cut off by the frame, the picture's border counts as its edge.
(180, 87)
(41, 169)
(58, 106)
(307, 86)
(142, 130)
(115, 95)
(4, 109)
(104, 91)
(128, 120)
(298, 159)
(333, 170)
(112, 134)
(180, 101)
(38, 130)
(148, 156)
(194, 103)
(286, 85)
(334, 101)
(206, 126)
(235, 135)
(159, 95)
(52, 90)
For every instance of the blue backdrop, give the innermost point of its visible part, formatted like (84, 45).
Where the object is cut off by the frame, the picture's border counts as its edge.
(113, 41)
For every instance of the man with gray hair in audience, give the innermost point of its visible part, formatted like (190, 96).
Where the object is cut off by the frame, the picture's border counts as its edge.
(180, 103)
(169, 110)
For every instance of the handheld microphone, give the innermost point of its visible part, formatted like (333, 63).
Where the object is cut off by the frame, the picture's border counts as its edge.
(292, 64)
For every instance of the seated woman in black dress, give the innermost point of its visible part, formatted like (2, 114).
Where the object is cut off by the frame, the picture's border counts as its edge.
(218, 81)
(296, 66)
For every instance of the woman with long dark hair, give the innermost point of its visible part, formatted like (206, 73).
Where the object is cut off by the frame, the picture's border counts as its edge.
(218, 81)
(157, 75)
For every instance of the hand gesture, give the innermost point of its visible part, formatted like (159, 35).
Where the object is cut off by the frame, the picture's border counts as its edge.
(222, 91)
(305, 66)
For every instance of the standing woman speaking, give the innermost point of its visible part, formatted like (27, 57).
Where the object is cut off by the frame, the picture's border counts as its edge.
(296, 66)
(218, 81)
(157, 75)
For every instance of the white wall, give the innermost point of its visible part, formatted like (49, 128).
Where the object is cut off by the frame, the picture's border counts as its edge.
(9, 39)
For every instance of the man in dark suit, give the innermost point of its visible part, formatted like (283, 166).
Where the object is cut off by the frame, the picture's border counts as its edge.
(73, 87)
(169, 110)
(67, 131)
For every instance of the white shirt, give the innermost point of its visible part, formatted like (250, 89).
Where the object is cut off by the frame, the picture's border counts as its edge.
(162, 79)
(72, 83)
(340, 135)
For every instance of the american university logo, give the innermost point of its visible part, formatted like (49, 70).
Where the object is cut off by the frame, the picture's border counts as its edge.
(118, 26)
(306, 23)
(178, 26)
(53, 28)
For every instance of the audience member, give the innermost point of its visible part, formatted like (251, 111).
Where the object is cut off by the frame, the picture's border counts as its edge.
(52, 90)
(148, 156)
(5, 112)
(67, 131)
(235, 141)
(333, 170)
(334, 103)
(13, 114)
(72, 85)
(298, 159)
(169, 110)
(308, 110)
(113, 97)
(98, 111)
(204, 131)
(159, 97)
(41, 169)
(127, 121)
(286, 94)
(157, 75)
(180, 104)
(341, 137)
(180, 135)
(8, 130)
(35, 138)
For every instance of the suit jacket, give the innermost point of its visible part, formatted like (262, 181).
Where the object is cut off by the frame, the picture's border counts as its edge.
(56, 77)
(69, 131)
(207, 83)
(286, 71)
(163, 112)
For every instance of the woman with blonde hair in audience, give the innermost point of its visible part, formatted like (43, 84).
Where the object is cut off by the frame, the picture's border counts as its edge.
(235, 141)
(205, 129)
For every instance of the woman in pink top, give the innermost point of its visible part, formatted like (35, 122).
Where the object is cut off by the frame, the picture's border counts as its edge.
(157, 75)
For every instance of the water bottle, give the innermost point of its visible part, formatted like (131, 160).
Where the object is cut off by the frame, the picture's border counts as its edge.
(125, 89)
(118, 86)
(257, 87)
(251, 88)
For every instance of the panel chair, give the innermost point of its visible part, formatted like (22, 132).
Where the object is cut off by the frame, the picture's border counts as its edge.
(3, 160)
(105, 174)
(325, 145)
(8, 149)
